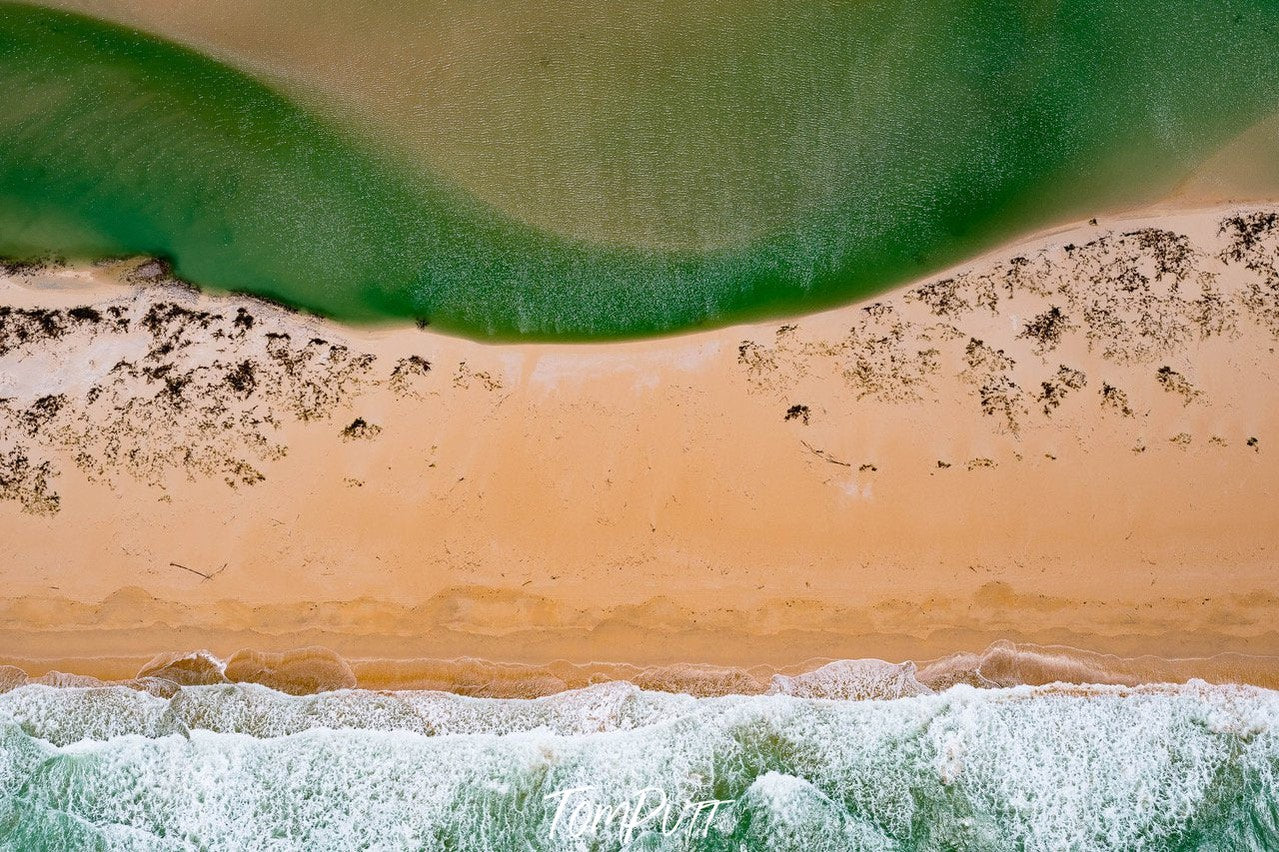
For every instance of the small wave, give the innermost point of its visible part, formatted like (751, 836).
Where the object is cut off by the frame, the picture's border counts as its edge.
(313, 669)
(853, 680)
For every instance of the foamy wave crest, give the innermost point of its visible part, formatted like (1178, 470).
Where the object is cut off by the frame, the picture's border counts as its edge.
(853, 680)
(231, 766)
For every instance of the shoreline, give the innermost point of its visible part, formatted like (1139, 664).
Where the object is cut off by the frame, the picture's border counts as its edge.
(314, 670)
(110, 275)
(756, 495)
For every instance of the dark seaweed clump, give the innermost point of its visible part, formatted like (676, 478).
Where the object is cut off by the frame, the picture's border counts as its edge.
(798, 412)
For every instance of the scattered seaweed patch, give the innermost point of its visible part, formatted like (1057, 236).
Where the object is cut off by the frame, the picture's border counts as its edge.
(466, 376)
(27, 482)
(1115, 399)
(361, 430)
(1046, 330)
(206, 394)
(1141, 301)
(1053, 392)
(1173, 382)
(408, 374)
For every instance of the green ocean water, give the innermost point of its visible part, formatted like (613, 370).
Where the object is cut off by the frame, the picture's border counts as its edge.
(752, 161)
(238, 767)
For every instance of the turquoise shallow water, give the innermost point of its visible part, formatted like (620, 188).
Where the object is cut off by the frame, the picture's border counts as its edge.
(842, 148)
(1189, 767)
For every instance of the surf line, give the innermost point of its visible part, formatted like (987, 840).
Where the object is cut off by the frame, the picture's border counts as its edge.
(647, 809)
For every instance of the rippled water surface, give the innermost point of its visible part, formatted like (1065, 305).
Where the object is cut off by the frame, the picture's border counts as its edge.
(595, 170)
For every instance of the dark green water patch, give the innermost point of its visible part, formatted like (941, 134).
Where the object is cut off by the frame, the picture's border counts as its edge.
(952, 125)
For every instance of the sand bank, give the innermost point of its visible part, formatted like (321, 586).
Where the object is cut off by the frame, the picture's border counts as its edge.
(1071, 441)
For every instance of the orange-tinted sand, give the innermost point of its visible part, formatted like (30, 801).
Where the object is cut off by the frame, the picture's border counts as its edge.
(901, 479)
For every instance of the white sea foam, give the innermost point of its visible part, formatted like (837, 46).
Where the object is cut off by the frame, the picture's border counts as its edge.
(853, 680)
(229, 767)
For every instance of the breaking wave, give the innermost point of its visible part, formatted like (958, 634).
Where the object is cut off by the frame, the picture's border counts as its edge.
(853, 755)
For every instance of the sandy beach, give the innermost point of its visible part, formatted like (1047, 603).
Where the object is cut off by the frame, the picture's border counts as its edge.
(1067, 442)
(684, 426)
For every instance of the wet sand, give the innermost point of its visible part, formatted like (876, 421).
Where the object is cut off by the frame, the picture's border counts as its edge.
(1068, 442)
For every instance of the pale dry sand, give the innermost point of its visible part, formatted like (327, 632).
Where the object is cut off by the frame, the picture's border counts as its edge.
(901, 479)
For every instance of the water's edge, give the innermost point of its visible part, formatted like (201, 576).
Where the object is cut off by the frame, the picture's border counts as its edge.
(312, 670)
